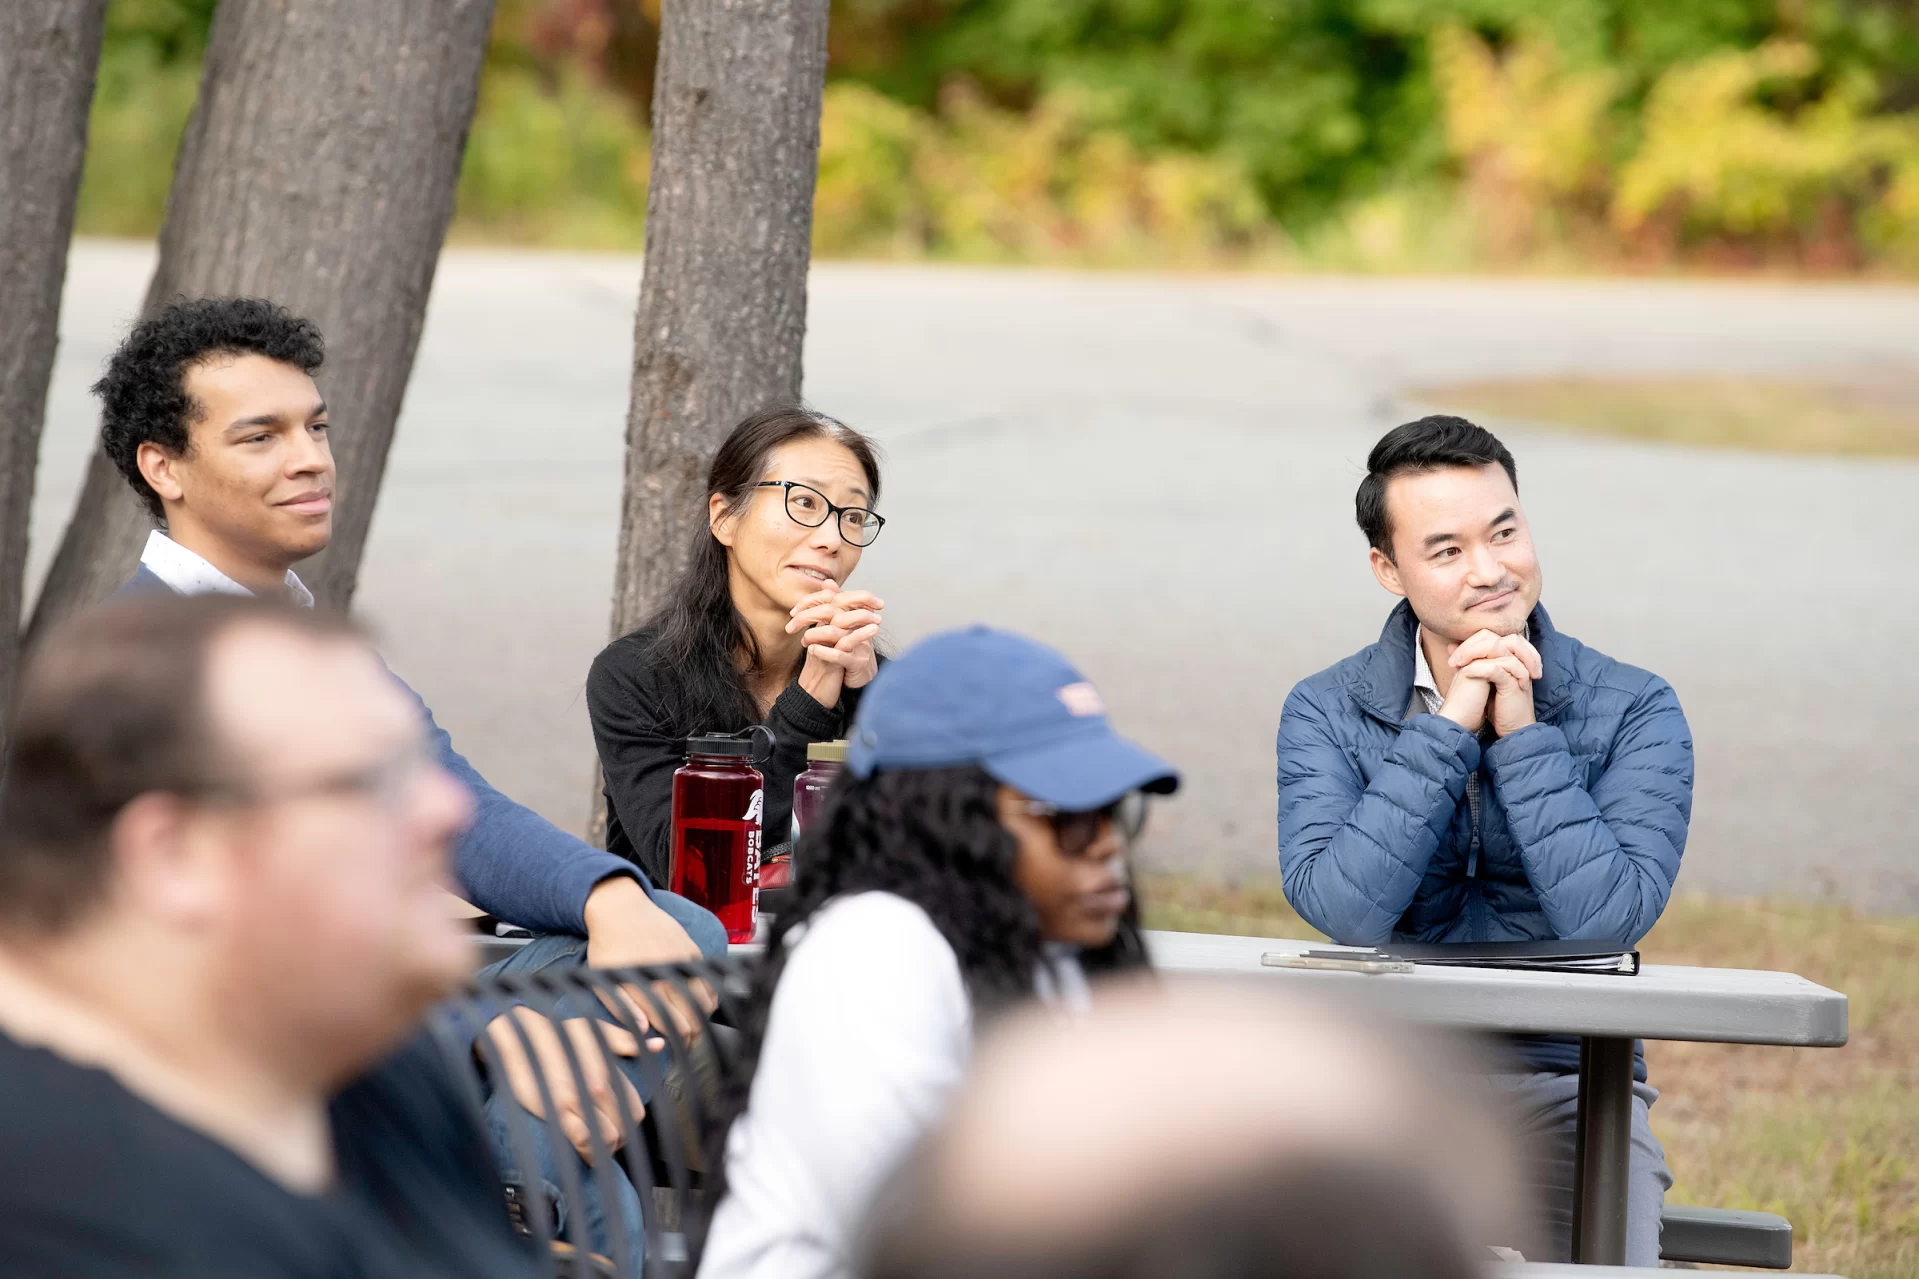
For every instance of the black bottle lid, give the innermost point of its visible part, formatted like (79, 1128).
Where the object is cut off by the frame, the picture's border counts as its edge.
(720, 744)
(755, 744)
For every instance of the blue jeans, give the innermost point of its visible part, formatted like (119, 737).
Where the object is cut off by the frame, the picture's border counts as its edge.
(585, 1223)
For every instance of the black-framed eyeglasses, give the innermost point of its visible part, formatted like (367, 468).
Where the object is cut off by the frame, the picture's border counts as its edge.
(809, 506)
(1078, 830)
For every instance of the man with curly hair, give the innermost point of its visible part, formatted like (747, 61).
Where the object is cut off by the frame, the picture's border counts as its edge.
(211, 412)
(237, 500)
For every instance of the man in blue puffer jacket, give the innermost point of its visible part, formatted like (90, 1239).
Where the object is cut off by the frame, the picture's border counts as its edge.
(1478, 776)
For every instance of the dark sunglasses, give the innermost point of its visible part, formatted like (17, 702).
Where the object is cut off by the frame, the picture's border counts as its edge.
(1079, 830)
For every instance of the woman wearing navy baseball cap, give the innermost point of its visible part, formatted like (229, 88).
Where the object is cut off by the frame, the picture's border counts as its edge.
(972, 855)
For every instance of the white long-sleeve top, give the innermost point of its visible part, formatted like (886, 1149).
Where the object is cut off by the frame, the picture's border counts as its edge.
(869, 1031)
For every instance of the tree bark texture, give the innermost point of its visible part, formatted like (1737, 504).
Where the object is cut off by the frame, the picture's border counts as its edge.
(318, 170)
(49, 53)
(729, 224)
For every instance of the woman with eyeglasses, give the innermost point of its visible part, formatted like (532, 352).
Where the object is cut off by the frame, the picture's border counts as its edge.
(971, 855)
(760, 629)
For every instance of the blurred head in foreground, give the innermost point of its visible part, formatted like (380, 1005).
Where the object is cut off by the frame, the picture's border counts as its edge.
(196, 844)
(1200, 1132)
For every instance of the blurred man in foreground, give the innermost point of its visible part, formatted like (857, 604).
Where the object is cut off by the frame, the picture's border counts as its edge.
(220, 911)
(1204, 1132)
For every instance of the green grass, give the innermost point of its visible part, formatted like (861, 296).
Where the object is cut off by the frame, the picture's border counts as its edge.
(1827, 1137)
(1871, 413)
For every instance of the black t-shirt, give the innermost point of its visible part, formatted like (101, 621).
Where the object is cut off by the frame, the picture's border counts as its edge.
(95, 1183)
(640, 750)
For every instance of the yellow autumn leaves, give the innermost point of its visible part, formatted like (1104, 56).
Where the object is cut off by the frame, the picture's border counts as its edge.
(1759, 148)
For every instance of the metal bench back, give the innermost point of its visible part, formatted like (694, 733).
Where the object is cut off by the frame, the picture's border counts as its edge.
(662, 1151)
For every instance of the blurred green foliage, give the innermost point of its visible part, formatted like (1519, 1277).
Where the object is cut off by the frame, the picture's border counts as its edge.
(978, 182)
(149, 76)
(561, 162)
(1327, 104)
(1375, 134)
(558, 153)
(1832, 173)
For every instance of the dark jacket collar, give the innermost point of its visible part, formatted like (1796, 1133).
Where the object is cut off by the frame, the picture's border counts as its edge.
(1383, 683)
(143, 582)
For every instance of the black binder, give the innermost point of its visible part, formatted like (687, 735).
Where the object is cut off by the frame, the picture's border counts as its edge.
(1526, 956)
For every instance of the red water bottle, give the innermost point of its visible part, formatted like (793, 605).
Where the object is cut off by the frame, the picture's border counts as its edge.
(717, 797)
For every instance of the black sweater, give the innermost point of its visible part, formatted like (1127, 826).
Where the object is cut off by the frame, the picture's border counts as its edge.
(638, 752)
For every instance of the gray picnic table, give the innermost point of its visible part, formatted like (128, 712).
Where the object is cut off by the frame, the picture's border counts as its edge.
(1606, 1012)
(1547, 1270)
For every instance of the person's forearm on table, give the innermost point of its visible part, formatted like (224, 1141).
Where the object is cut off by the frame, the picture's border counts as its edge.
(516, 866)
(620, 905)
(512, 863)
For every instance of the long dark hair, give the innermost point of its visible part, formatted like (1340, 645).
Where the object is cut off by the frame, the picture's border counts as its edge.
(932, 836)
(698, 632)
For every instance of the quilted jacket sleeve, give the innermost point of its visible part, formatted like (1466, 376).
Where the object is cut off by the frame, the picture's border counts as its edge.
(1602, 862)
(1352, 853)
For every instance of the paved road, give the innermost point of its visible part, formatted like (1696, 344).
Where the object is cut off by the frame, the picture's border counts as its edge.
(1157, 475)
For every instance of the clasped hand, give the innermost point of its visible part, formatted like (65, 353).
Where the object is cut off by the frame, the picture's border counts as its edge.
(1492, 677)
(550, 1060)
(625, 929)
(837, 628)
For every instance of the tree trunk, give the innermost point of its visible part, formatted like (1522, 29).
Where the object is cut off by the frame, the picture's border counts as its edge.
(49, 52)
(318, 170)
(729, 235)
(729, 224)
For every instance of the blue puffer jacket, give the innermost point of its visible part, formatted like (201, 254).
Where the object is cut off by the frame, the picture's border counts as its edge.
(1583, 814)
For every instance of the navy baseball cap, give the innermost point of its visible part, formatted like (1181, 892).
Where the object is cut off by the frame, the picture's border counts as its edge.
(1011, 706)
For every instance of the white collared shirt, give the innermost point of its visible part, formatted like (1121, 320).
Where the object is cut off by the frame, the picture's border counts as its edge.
(191, 574)
(1425, 688)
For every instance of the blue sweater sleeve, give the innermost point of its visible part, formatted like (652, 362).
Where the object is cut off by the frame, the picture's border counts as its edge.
(1602, 861)
(1352, 853)
(514, 864)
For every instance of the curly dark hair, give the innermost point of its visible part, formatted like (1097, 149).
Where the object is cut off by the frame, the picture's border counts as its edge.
(143, 395)
(934, 837)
